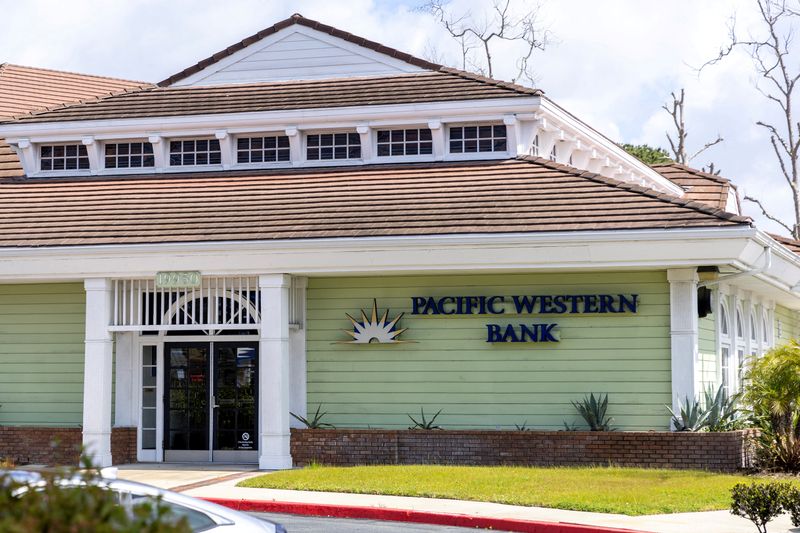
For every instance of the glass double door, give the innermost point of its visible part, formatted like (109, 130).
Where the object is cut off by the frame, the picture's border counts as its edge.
(211, 408)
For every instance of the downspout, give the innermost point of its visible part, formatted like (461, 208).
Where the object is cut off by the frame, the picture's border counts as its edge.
(767, 255)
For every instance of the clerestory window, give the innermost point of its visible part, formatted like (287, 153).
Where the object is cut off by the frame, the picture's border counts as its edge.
(63, 157)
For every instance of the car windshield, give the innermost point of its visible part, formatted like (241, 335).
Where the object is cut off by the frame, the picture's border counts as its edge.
(198, 521)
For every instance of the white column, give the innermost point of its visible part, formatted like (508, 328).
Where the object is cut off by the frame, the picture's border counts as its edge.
(97, 372)
(683, 333)
(273, 403)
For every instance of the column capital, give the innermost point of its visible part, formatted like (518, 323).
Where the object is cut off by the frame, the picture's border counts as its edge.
(682, 274)
(97, 284)
(274, 280)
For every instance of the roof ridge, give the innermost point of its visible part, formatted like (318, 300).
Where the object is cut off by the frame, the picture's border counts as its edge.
(297, 18)
(664, 197)
(73, 73)
(692, 170)
(491, 81)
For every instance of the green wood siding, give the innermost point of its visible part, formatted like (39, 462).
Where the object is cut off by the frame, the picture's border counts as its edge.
(788, 329)
(41, 354)
(450, 366)
(707, 347)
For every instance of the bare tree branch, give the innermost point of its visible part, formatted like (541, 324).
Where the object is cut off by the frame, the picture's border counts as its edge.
(706, 146)
(474, 33)
(767, 215)
(775, 61)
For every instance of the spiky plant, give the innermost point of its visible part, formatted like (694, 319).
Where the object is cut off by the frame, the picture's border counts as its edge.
(424, 423)
(314, 422)
(690, 417)
(722, 409)
(593, 410)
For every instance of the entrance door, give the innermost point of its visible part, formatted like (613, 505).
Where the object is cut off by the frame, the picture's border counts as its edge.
(210, 402)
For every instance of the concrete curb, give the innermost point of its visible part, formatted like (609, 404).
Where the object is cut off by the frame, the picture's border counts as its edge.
(420, 517)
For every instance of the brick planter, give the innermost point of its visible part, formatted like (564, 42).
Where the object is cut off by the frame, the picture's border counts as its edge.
(59, 446)
(727, 452)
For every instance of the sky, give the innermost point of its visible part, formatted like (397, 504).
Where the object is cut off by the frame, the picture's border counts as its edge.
(613, 63)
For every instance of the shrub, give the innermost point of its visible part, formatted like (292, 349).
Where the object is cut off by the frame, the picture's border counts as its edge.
(759, 502)
(58, 508)
(593, 410)
(772, 391)
(791, 504)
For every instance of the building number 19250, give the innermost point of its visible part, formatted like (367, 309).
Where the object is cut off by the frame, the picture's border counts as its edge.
(178, 280)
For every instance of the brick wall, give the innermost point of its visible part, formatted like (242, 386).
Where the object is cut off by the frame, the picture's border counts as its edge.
(123, 445)
(59, 446)
(727, 451)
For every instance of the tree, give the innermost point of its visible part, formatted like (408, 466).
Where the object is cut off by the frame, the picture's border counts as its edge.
(477, 35)
(772, 50)
(647, 154)
(678, 144)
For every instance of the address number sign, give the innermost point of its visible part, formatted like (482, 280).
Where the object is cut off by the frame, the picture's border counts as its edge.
(178, 280)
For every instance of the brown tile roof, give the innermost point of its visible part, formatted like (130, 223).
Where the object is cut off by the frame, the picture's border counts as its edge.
(445, 85)
(518, 195)
(24, 89)
(313, 24)
(700, 186)
(788, 242)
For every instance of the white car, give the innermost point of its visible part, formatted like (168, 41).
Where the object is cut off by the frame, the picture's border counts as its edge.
(201, 515)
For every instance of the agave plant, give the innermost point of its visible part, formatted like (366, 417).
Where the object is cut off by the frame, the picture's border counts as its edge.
(722, 409)
(314, 422)
(593, 410)
(424, 423)
(691, 416)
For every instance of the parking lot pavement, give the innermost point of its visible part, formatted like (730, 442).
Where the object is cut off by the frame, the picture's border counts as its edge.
(316, 524)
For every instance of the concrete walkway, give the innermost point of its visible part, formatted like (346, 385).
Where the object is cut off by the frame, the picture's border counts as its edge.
(182, 476)
(220, 484)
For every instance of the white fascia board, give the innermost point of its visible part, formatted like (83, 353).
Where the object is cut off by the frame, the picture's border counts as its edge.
(550, 110)
(637, 249)
(257, 121)
(198, 77)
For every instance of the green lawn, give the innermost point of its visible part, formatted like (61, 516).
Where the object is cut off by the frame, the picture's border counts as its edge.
(631, 491)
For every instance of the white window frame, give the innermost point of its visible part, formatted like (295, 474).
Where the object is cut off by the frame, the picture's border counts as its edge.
(767, 341)
(741, 338)
(157, 454)
(726, 361)
(169, 167)
(263, 164)
(331, 162)
(476, 155)
(63, 172)
(401, 158)
(128, 170)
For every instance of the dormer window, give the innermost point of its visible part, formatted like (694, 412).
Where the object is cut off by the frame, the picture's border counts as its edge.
(129, 155)
(535, 145)
(194, 152)
(553, 153)
(269, 149)
(331, 146)
(63, 157)
(417, 141)
(475, 139)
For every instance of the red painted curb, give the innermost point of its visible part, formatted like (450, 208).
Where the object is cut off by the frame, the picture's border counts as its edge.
(420, 517)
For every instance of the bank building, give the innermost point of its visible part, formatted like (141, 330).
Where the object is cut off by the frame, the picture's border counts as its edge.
(309, 218)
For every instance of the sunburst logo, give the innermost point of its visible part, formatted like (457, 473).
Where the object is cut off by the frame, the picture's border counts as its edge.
(374, 329)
